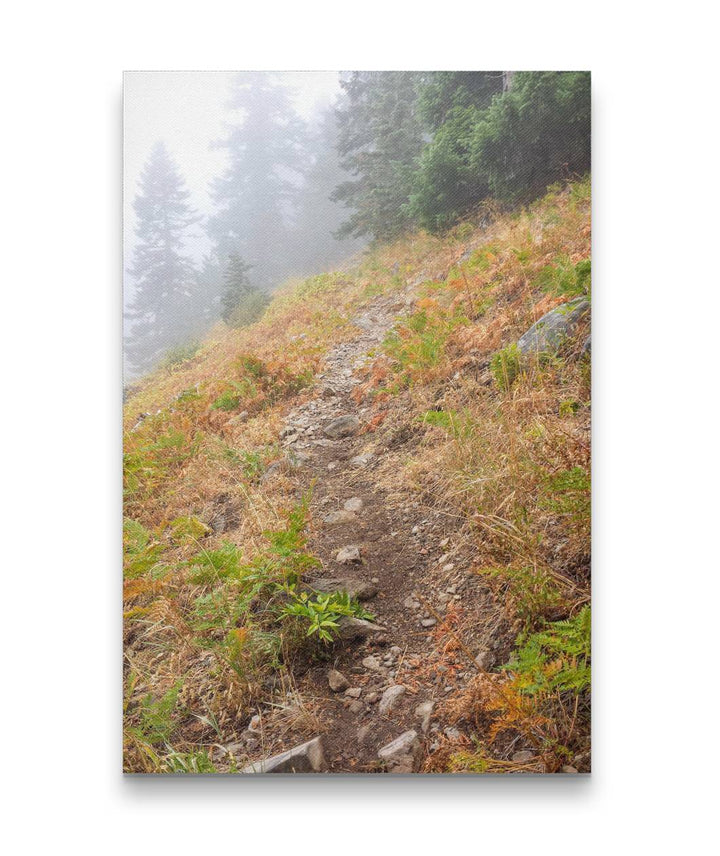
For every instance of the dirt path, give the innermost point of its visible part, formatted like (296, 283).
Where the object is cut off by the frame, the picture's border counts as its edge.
(411, 572)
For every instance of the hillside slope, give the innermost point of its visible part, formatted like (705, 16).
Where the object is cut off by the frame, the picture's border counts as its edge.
(346, 520)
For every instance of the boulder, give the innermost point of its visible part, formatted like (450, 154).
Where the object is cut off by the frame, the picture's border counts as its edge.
(305, 758)
(549, 333)
(343, 426)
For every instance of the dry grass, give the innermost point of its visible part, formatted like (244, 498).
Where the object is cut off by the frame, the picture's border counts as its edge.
(492, 464)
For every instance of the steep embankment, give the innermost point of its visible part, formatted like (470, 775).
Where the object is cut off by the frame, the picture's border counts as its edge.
(344, 521)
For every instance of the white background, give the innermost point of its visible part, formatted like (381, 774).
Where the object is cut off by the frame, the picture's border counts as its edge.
(655, 432)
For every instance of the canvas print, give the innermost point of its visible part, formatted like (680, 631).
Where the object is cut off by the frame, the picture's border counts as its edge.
(357, 411)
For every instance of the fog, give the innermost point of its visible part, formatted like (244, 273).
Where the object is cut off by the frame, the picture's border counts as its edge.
(204, 138)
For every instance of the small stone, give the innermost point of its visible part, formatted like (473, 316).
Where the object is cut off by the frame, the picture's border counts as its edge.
(448, 567)
(350, 628)
(255, 724)
(348, 554)
(357, 707)
(371, 663)
(402, 753)
(428, 622)
(337, 517)
(523, 756)
(569, 769)
(390, 698)
(396, 650)
(342, 426)
(362, 734)
(424, 712)
(411, 603)
(444, 542)
(353, 692)
(371, 698)
(305, 758)
(414, 530)
(452, 733)
(484, 660)
(291, 438)
(361, 460)
(354, 504)
(338, 682)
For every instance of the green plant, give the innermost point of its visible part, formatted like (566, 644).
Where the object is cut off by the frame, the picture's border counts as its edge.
(210, 567)
(186, 529)
(556, 658)
(156, 722)
(180, 354)
(565, 279)
(505, 366)
(141, 551)
(534, 591)
(322, 612)
(568, 493)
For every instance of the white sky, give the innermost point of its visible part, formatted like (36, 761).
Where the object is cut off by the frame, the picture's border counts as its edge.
(186, 110)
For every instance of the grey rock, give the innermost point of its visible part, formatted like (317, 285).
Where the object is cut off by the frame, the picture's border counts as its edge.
(371, 698)
(411, 603)
(361, 460)
(362, 734)
(337, 517)
(371, 663)
(305, 758)
(428, 622)
(338, 682)
(354, 504)
(523, 756)
(348, 554)
(354, 692)
(549, 333)
(484, 660)
(356, 707)
(424, 712)
(569, 769)
(240, 418)
(342, 426)
(350, 628)
(401, 755)
(359, 589)
(390, 698)
(452, 733)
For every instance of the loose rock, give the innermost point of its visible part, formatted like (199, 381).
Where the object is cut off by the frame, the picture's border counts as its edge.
(424, 712)
(343, 426)
(354, 504)
(338, 682)
(390, 698)
(348, 554)
(400, 755)
(350, 628)
(305, 758)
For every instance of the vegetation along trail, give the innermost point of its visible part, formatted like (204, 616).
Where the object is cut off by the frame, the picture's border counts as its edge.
(357, 531)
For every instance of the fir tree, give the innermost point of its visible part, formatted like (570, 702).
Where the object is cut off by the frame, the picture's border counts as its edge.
(379, 143)
(162, 314)
(254, 196)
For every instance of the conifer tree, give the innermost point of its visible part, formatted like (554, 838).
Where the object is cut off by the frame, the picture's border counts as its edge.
(254, 196)
(162, 313)
(379, 144)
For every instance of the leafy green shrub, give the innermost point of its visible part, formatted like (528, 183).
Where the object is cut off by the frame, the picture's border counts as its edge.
(505, 366)
(228, 400)
(321, 613)
(210, 567)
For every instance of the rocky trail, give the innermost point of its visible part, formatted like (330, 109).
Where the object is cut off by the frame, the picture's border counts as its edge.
(376, 698)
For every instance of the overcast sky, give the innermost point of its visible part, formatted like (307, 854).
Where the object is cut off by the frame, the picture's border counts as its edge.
(186, 110)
